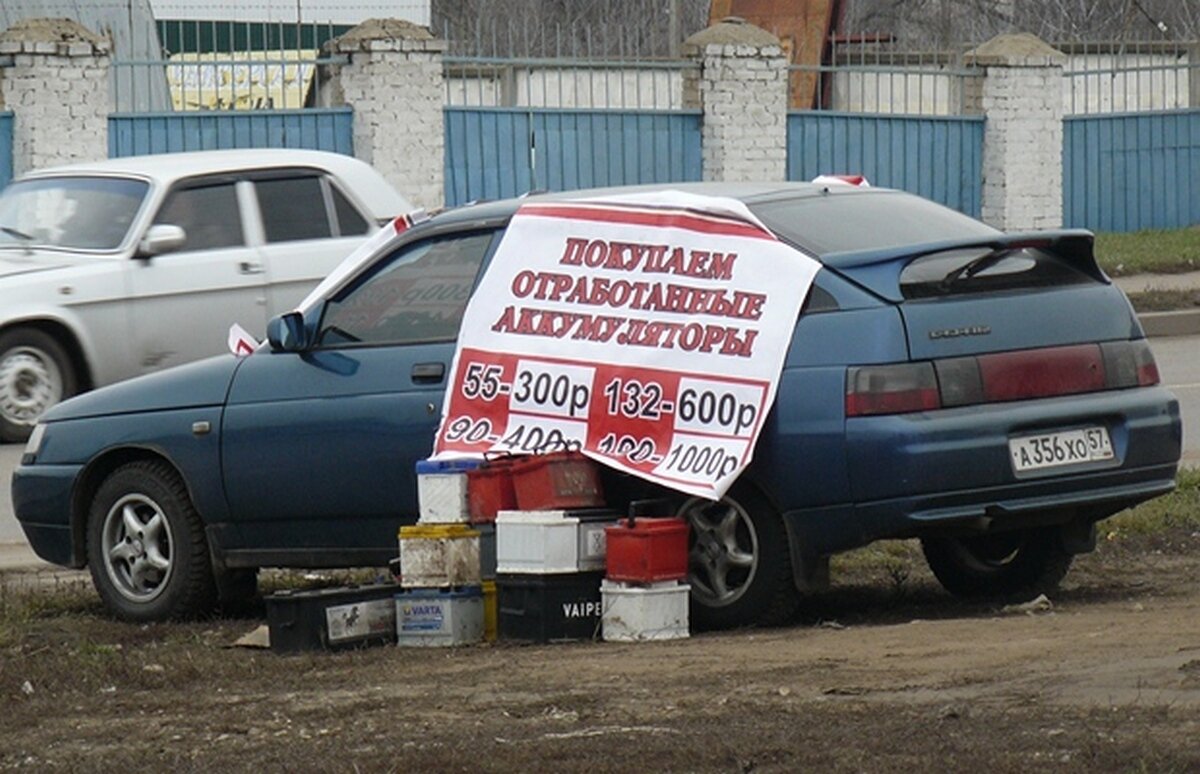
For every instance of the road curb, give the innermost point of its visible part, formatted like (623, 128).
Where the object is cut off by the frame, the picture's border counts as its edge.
(1184, 322)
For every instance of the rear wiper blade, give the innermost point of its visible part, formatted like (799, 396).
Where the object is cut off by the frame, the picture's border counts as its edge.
(975, 266)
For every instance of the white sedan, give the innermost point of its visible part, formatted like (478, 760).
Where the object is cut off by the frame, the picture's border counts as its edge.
(117, 268)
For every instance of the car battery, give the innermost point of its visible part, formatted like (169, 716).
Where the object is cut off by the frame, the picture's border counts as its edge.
(439, 555)
(487, 550)
(641, 612)
(333, 618)
(490, 490)
(647, 550)
(433, 618)
(549, 608)
(442, 490)
(549, 542)
(556, 481)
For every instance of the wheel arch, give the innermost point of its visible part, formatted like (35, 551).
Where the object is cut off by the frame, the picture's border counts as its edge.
(93, 475)
(65, 335)
(810, 570)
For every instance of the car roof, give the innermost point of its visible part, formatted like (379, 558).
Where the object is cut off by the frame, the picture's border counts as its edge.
(747, 193)
(379, 196)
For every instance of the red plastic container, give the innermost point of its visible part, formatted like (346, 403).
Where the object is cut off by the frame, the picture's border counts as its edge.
(490, 490)
(647, 550)
(557, 481)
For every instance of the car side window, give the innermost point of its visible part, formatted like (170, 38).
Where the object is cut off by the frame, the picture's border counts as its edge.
(293, 208)
(350, 220)
(418, 294)
(208, 214)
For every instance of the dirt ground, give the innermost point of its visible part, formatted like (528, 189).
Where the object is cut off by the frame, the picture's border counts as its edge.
(884, 673)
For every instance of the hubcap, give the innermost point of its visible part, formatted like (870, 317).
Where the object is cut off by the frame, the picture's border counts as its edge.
(723, 557)
(30, 383)
(136, 541)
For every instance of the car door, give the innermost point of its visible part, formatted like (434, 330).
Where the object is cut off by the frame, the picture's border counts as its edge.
(308, 227)
(183, 302)
(319, 448)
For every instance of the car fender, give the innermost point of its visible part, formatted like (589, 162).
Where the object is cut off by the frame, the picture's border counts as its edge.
(62, 319)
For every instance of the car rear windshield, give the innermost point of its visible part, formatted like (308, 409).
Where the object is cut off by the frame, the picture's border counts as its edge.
(854, 221)
(984, 270)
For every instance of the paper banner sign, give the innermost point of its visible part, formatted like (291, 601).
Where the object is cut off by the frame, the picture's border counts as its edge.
(648, 331)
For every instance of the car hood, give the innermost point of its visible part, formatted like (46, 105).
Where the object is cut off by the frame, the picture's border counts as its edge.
(14, 262)
(203, 383)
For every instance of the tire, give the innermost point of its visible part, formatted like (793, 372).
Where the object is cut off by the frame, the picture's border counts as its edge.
(35, 374)
(739, 566)
(1020, 564)
(146, 548)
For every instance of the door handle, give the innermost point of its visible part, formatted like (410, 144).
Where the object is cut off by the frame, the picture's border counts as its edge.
(428, 373)
(251, 267)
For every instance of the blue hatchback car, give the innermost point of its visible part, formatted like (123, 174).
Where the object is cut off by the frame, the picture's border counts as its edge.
(991, 394)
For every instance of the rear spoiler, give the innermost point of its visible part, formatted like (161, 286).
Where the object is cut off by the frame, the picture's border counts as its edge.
(879, 270)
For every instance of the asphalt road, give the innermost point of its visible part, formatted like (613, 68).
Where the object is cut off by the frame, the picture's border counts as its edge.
(1177, 364)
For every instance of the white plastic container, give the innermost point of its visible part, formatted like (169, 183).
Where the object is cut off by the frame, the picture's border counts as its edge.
(657, 611)
(439, 555)
(435, 618)
(442, 491)
(545, 542)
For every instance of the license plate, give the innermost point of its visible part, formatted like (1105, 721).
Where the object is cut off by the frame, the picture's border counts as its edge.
(1054, 450)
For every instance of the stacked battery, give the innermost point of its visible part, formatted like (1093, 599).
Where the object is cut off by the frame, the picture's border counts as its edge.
(442, 602)
(549, 522)
(643, 596)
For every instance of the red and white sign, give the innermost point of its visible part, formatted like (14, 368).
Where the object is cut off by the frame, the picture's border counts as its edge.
(647, 330)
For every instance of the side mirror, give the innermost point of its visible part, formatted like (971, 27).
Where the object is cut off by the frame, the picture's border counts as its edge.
(286, 333)
(162, 238)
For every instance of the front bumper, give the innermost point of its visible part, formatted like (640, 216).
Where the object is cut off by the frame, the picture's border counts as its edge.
(41, 497)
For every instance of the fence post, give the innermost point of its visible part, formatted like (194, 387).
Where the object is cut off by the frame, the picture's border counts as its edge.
(1020, 96)
(54, 78)
(741, 85)
(394, 82)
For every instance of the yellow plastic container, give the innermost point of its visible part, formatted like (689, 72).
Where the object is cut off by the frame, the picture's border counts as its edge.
(491, 617)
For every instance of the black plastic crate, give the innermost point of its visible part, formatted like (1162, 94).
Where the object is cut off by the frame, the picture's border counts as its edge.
(332, 619)
(546, 608)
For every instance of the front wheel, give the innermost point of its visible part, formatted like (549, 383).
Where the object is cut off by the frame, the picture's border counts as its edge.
(1019, 564)
(146, 548)
(35, 374)
(739, 566)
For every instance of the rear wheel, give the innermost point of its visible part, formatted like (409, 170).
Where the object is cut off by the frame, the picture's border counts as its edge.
(35, 374)
(738, 562)
(1019, 564)
(146, 548)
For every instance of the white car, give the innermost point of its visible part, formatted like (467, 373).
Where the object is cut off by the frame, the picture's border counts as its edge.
(121, 267)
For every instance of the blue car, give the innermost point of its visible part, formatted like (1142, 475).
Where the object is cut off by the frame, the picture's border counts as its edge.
(991, 394)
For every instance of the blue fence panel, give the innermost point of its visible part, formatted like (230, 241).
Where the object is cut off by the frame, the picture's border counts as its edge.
(329, 129)
(938, 157)
(494, 153)
(1132, 171)
(6, 147)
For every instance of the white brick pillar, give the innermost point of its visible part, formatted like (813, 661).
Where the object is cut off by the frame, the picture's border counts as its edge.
(741, 85)
(1020, 95)
(393, 81)
(54, 78)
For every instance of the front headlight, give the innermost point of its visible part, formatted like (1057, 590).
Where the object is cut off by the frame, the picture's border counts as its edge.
(34, 444)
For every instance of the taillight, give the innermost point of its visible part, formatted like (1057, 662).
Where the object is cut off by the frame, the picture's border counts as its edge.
(1129, 364)
(998, 377)
(891, 389)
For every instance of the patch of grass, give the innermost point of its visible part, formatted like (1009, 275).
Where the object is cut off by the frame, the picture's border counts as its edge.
(1149, 252)
(1164, 300)
(1180, 508)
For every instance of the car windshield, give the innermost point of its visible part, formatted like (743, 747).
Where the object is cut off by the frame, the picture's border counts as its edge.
(87, 213)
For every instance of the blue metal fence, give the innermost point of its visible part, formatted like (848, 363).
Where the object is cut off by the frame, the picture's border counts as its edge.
(328, 129)
(1132, 171)
(938, 157)
(6, 147)
(494, 153)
